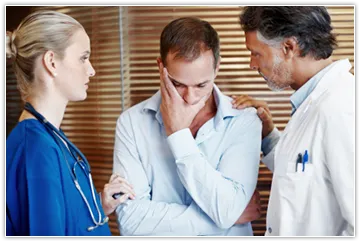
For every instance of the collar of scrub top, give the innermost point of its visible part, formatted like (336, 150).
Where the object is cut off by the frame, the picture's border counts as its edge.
(74, 151)
(55, 132)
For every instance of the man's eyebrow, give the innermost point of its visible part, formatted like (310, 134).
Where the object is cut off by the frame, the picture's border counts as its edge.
(86, 52)
(175, 81)
(204, 82)
(179, 83)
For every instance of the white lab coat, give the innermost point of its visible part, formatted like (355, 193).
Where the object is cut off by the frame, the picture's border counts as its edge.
(320, 200)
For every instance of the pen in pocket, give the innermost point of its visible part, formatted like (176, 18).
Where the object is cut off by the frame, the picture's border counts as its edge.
(298, 161)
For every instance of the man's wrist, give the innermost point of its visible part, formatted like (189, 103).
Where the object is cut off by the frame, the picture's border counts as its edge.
(172, 130)
(182, 143)
(268, 132)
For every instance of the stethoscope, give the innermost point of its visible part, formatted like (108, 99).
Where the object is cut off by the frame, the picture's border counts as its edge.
(80, 160)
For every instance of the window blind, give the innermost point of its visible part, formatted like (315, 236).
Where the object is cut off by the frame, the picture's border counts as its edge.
(125, 45)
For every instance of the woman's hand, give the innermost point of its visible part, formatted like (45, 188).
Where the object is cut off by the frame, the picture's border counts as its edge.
(116, 184)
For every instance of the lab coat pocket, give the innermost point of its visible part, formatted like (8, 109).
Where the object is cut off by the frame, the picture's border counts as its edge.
(298, 190)
(281, 164)
(299, 171)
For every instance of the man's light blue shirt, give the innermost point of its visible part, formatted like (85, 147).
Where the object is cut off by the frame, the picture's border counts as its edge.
(186, 185)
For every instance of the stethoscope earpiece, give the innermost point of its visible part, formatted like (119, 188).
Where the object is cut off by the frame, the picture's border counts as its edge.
(91, 228)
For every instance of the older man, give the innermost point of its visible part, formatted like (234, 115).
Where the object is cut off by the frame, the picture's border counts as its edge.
(313, 160)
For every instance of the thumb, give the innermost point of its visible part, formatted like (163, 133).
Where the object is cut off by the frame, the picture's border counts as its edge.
(261, 113)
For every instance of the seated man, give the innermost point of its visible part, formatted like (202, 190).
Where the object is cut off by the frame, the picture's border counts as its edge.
(193, 160)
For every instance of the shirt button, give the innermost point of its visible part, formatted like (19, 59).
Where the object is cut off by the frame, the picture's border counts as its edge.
(270, 230)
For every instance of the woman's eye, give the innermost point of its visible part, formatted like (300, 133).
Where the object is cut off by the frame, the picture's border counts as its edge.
(83, 59)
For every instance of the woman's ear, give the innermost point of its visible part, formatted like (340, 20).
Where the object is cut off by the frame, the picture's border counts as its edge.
(50, 63)
(290, 48)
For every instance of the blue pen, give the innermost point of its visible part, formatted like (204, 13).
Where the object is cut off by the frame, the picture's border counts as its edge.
(305, 159)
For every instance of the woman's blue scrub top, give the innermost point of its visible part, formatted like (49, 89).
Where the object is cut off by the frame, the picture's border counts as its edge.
(41, 198)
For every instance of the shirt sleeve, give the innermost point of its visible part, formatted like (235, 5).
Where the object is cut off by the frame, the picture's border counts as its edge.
(45, 194)
(339, 151)
(270, 141)
(222, 193)
(144, 216)
(268, 148)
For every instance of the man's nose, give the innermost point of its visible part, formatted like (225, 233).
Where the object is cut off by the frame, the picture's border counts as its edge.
(190, 96)
(253, 64)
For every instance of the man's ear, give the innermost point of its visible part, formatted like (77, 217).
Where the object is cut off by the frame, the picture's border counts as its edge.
(50, 62)
(290, 48)
(159, 61)
(217, 68)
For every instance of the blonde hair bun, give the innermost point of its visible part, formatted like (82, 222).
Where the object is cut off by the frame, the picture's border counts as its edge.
(11, 50)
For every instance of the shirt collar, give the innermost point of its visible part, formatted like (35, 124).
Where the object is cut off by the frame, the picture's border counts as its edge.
(303, 92)
(223, 104)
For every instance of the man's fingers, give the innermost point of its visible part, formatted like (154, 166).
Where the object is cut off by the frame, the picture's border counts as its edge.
(258, 198)
(257, 103)
(165, 83)
(245, 104)
(247, 101)
(163, 89)
(201, 103)
(239, 98)
(267, 110)
(169, 85)
(237, 101)
(257, 194)
(263, 114)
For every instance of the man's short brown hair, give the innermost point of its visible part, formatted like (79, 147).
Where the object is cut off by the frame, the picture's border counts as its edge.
(188, 37)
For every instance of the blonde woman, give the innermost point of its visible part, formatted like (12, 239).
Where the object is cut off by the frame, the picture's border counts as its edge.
(49, 188)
